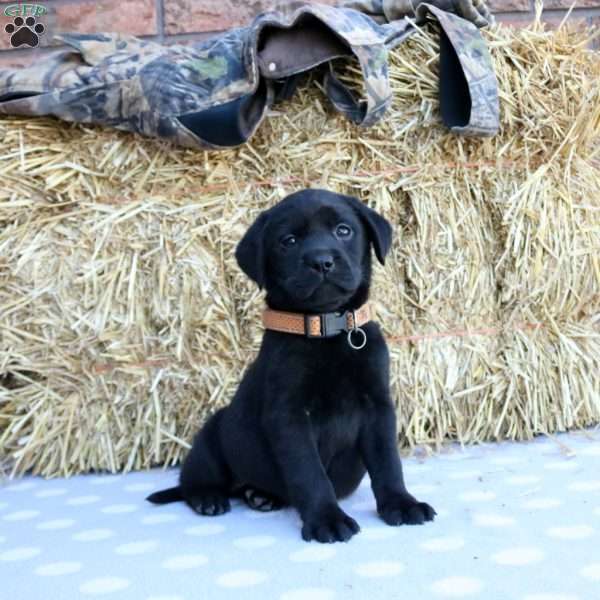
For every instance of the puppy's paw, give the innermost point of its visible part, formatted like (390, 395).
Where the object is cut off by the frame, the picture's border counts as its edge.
(405, 510)
(329, 525)
(209, 502)
(259, 500)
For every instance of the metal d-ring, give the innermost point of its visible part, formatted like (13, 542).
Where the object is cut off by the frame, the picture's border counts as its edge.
(364, 338)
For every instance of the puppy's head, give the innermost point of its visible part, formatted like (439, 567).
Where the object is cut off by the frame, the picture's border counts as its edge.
(312, 251)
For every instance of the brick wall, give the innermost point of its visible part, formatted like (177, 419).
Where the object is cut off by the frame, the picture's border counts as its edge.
(183, 20)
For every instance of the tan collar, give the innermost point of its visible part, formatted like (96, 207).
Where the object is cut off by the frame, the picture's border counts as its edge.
(320, 325)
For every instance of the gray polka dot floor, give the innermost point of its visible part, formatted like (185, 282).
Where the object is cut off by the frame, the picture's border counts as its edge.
(515, 521)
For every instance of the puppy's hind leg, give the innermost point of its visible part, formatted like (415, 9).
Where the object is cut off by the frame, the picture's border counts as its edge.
(205, 479)
(262, 501)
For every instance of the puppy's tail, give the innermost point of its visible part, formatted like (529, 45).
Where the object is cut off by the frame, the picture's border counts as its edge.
(166, 496)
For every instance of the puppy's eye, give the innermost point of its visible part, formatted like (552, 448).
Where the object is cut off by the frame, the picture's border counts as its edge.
(288, 241)
(343, 231)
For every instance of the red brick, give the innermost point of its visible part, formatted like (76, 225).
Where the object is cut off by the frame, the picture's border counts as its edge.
(566, 4)
(509, 5)
(137, 17)
(189, 16)
(554, 20)
(515, 20)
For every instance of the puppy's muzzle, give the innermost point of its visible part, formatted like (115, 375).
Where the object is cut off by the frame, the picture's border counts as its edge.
(322, 262)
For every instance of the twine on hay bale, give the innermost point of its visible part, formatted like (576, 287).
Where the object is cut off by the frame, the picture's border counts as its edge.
(124, 320)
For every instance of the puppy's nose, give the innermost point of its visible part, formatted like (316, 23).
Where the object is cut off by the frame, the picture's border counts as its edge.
(320, 261)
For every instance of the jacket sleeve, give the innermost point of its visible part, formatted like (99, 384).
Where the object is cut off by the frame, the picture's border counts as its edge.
(386, 11)
(382, 11)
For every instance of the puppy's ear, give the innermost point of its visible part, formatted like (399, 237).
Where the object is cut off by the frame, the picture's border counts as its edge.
(250, 252)
(378, 228)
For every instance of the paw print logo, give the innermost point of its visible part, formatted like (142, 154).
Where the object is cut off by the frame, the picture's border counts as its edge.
(24, 32)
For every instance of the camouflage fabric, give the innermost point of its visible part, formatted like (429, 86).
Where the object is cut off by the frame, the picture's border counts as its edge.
(479, 112)
(474, 11)
(215, 93)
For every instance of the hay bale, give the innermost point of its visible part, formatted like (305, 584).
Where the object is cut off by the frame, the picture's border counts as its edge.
(124, 319)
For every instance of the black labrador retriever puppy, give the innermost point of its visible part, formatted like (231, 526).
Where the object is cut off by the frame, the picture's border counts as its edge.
(311, 414)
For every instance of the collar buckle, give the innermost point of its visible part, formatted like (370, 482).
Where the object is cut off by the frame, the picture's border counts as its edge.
(331, 324)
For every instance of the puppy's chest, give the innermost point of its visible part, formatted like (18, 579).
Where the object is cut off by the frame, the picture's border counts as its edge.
(336, 404)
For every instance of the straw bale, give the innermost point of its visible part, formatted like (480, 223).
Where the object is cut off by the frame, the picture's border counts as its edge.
(124, 320)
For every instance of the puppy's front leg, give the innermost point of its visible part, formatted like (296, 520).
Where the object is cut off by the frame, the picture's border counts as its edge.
(309, 489)
(378, 446)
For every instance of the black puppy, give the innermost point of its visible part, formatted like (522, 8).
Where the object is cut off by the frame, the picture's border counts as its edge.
(312, 414)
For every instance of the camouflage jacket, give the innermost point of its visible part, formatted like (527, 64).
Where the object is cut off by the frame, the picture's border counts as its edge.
(215, 93)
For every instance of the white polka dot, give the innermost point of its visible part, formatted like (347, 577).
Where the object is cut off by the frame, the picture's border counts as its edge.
(378, 533)
(160, 518)
(591, 572)
(456, 587)
(136, 548)
(254, 542)
(549, 597)
(574, 532)
(417, 468)
(516, 557)
(506, 460)
(205, 529)
(51, 493)
(21, 515)
(140, 487)
(314, 553)
(460, 475)
(235, 579)
(119, 509)
(523, 480)
(105, 479)
(58, 568)
(93, 535)
(454, 456)
(542, 503)
(104, 585)
(561, 465)
(492, 520)
(379, 569)
(56, 524)
(257, 514)
(82, 500)
(21, 487)
(308, 594)
(185, 561)
(19, 554)
(477, 496)
(591, 451)
(585, 486)
(422, 489)
(443, 544)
